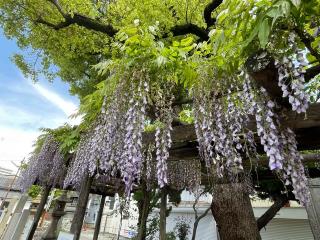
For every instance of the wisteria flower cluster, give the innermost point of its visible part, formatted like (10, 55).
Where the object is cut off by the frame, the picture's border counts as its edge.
(291, 77)
(293, 169)
(135, 120)
(268, 133)
(280, 145)
(114, 143)
(218, 125)
(163, 134)
(46, 167)
(101, 145)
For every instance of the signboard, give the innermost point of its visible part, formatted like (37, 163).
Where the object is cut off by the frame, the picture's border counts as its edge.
(65, 236)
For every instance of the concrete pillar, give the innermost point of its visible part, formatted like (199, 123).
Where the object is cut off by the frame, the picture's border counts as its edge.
(21, 224)
(313, 209)
(15, 219)
(93, 209)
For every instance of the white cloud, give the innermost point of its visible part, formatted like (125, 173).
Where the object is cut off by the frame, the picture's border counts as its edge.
(67, 107)
(19, 124)
(15, 117)
(15, 145)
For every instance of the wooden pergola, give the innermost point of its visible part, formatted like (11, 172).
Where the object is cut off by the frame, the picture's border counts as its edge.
(185, 147)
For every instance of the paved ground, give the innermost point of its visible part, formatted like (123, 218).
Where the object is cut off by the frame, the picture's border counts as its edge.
(86, 234)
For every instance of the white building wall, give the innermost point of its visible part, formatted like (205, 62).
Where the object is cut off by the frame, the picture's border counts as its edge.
(290, 223)
(287, 229)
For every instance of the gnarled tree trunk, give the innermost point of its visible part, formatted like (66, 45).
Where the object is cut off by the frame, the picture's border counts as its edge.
(232, 210)
(37, 216)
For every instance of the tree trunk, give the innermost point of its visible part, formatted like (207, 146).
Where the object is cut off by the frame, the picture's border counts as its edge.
(37, 216)
(144, 210)
(80, 212)
(163, 214)
(232, 210)
(98, 221)
(272, 211)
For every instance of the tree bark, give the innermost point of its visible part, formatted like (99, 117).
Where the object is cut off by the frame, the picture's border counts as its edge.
(163, 213)
(232, 210)
(38, 214)
(80, 212)
(99, 216)
(272, 211)
(144, 210)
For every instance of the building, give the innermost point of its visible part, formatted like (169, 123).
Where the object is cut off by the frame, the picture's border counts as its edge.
(9, 195)
(291, 222)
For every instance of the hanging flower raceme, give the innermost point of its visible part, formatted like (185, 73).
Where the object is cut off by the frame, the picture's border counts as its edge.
(114, 143)
(221, 120)
(46, 167)
(280, 145)
(293, 170)
(218, 125)
(291, 77)
(29, 174)
(163, 133)
(132, 157)
(268, 132)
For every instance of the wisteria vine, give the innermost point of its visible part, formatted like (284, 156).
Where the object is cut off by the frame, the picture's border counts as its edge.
(219, 126)
(46, 167)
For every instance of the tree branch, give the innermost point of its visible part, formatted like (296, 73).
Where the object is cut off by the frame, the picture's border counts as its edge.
(80, 20)
(311, 73)
(198, 218)
(208, 11)
(96, 25)
(272, 211)
(58, 6)
(53, 26)
(190, 28)
(307, 39)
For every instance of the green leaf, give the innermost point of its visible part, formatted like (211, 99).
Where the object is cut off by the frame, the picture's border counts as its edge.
(161, 60)
(175, 44)
(264, 31)
(186, 41)
(296, 3)
(222, 15)
(253, 33)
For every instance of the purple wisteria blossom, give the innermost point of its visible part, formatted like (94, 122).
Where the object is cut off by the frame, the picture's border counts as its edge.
(291, 77)
(218, 125)
(135, 120)
(163, 135)
(46, 167)
(293, 171)
(114, 142)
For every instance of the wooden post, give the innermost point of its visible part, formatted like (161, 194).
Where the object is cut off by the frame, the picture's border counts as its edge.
(163, 213)
(80, 212)
(144, 210)
(37, 216)
(98, 221)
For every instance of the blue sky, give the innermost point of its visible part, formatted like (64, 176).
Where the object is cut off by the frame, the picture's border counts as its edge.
(25, 107)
